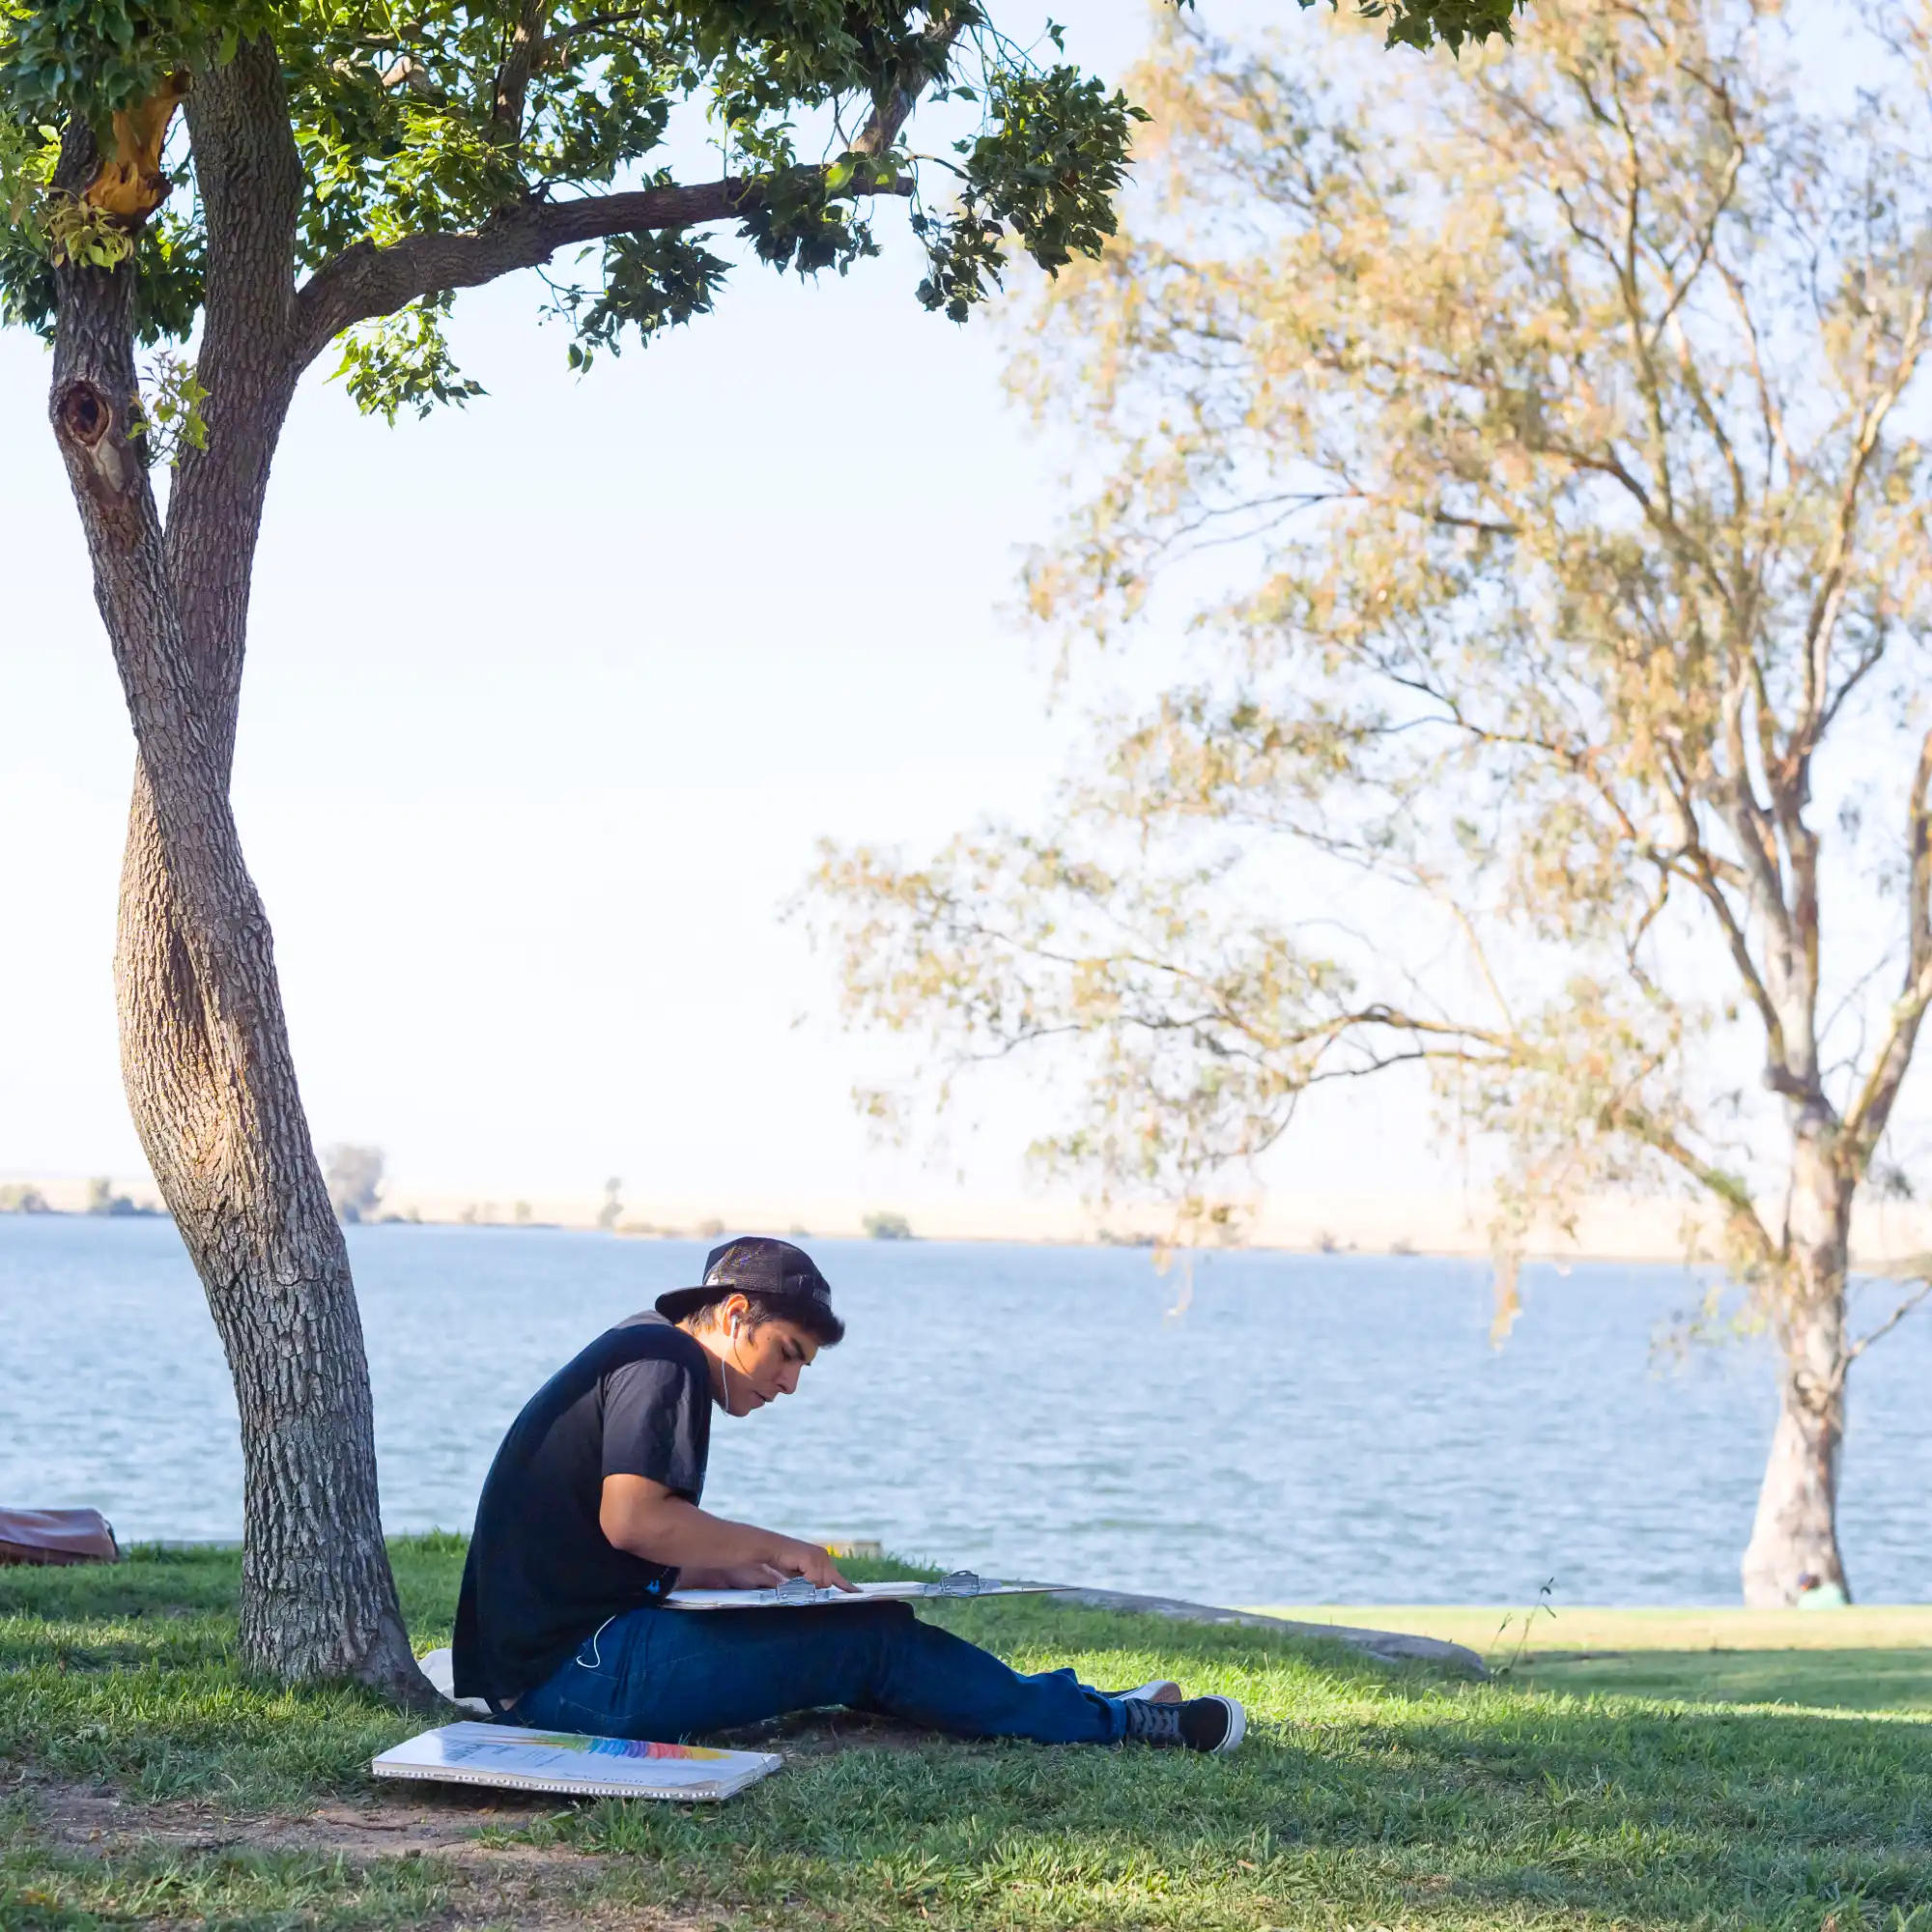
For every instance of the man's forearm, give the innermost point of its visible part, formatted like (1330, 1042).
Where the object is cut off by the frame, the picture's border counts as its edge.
(681, 1536)
(740, 1577)
(645, 1518)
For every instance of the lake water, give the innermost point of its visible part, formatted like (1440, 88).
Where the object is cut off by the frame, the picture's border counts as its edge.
(1309, 1428)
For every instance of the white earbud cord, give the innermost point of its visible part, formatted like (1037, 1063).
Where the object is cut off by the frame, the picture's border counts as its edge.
(725, 1371)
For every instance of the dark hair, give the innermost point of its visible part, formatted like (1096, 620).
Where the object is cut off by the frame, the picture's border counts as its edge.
(801, 1310)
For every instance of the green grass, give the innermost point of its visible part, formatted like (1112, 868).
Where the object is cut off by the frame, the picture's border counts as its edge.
(1871, 1657)
(1366, 1796)
(1809, 1680)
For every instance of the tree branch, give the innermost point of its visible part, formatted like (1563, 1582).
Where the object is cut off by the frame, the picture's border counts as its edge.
(1866, 1120)
(1739, 1209)
(1822, 620)
(1891, 1322)
(365, 281)
(893, 104)
(1705, 877)
(513, 78)
(1792, 1063)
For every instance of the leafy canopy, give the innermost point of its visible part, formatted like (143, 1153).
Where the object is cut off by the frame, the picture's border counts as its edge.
(438, 116)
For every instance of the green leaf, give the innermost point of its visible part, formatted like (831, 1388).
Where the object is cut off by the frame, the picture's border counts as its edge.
(403, 362)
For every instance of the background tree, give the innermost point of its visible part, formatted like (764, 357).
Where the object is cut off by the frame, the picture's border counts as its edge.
(612, 1210)
(1570, 417)
(101, 1198)
(354, 1178)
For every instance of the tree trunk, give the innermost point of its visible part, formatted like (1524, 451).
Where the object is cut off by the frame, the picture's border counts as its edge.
(205, 1051)
(221, 1120)
(1794, 1541)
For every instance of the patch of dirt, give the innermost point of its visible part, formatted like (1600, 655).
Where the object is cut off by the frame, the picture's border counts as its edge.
(516, 1886)
(445, 1821)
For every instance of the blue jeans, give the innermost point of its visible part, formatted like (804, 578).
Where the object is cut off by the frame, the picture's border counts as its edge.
(669, 1674)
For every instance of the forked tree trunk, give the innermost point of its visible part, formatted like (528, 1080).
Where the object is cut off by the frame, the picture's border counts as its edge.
(205, 1050)
(1795, 1539)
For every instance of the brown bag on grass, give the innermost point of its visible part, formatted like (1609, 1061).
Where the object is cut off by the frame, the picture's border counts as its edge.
(56, 1536)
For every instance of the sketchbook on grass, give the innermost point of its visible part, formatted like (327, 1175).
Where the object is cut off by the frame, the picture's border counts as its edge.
(573, 1766)
(798, 1593)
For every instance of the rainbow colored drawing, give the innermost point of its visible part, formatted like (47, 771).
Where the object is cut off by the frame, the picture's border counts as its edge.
(619, 1746)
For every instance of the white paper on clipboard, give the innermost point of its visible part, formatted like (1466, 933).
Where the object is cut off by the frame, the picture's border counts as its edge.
(798, 1594)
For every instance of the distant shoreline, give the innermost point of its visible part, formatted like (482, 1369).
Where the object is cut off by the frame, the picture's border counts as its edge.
(1443, 1225)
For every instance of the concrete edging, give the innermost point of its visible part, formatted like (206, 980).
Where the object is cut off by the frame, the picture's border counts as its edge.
(1390, 1646)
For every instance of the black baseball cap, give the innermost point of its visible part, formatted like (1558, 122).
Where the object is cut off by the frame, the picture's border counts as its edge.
(776, 1271)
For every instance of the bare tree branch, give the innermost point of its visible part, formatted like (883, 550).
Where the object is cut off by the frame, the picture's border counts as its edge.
(1891, 1322)
(1866, 1120)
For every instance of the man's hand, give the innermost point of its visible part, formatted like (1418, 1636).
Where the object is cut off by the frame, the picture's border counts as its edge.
(809, 1561)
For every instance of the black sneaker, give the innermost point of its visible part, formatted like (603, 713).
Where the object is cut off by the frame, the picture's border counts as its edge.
(1200, 1725)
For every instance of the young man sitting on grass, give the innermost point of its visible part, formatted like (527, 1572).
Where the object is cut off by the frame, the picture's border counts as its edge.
(589, 1518)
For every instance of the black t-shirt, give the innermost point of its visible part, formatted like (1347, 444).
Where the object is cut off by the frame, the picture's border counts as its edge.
(541, 1574)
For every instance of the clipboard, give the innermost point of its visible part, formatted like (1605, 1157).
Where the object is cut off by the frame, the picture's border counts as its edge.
(798, 1594)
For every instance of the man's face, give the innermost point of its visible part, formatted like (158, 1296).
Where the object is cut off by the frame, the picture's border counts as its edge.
(765, 1363)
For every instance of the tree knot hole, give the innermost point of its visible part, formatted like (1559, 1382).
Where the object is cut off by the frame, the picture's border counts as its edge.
(84, 414)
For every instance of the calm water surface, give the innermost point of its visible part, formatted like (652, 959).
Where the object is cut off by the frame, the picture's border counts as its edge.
(1311, 1427)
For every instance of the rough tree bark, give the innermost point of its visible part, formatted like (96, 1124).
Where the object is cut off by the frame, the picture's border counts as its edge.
(205, 1049)
(1794, 1537)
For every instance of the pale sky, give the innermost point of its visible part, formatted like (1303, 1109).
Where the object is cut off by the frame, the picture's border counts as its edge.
(547, 705)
